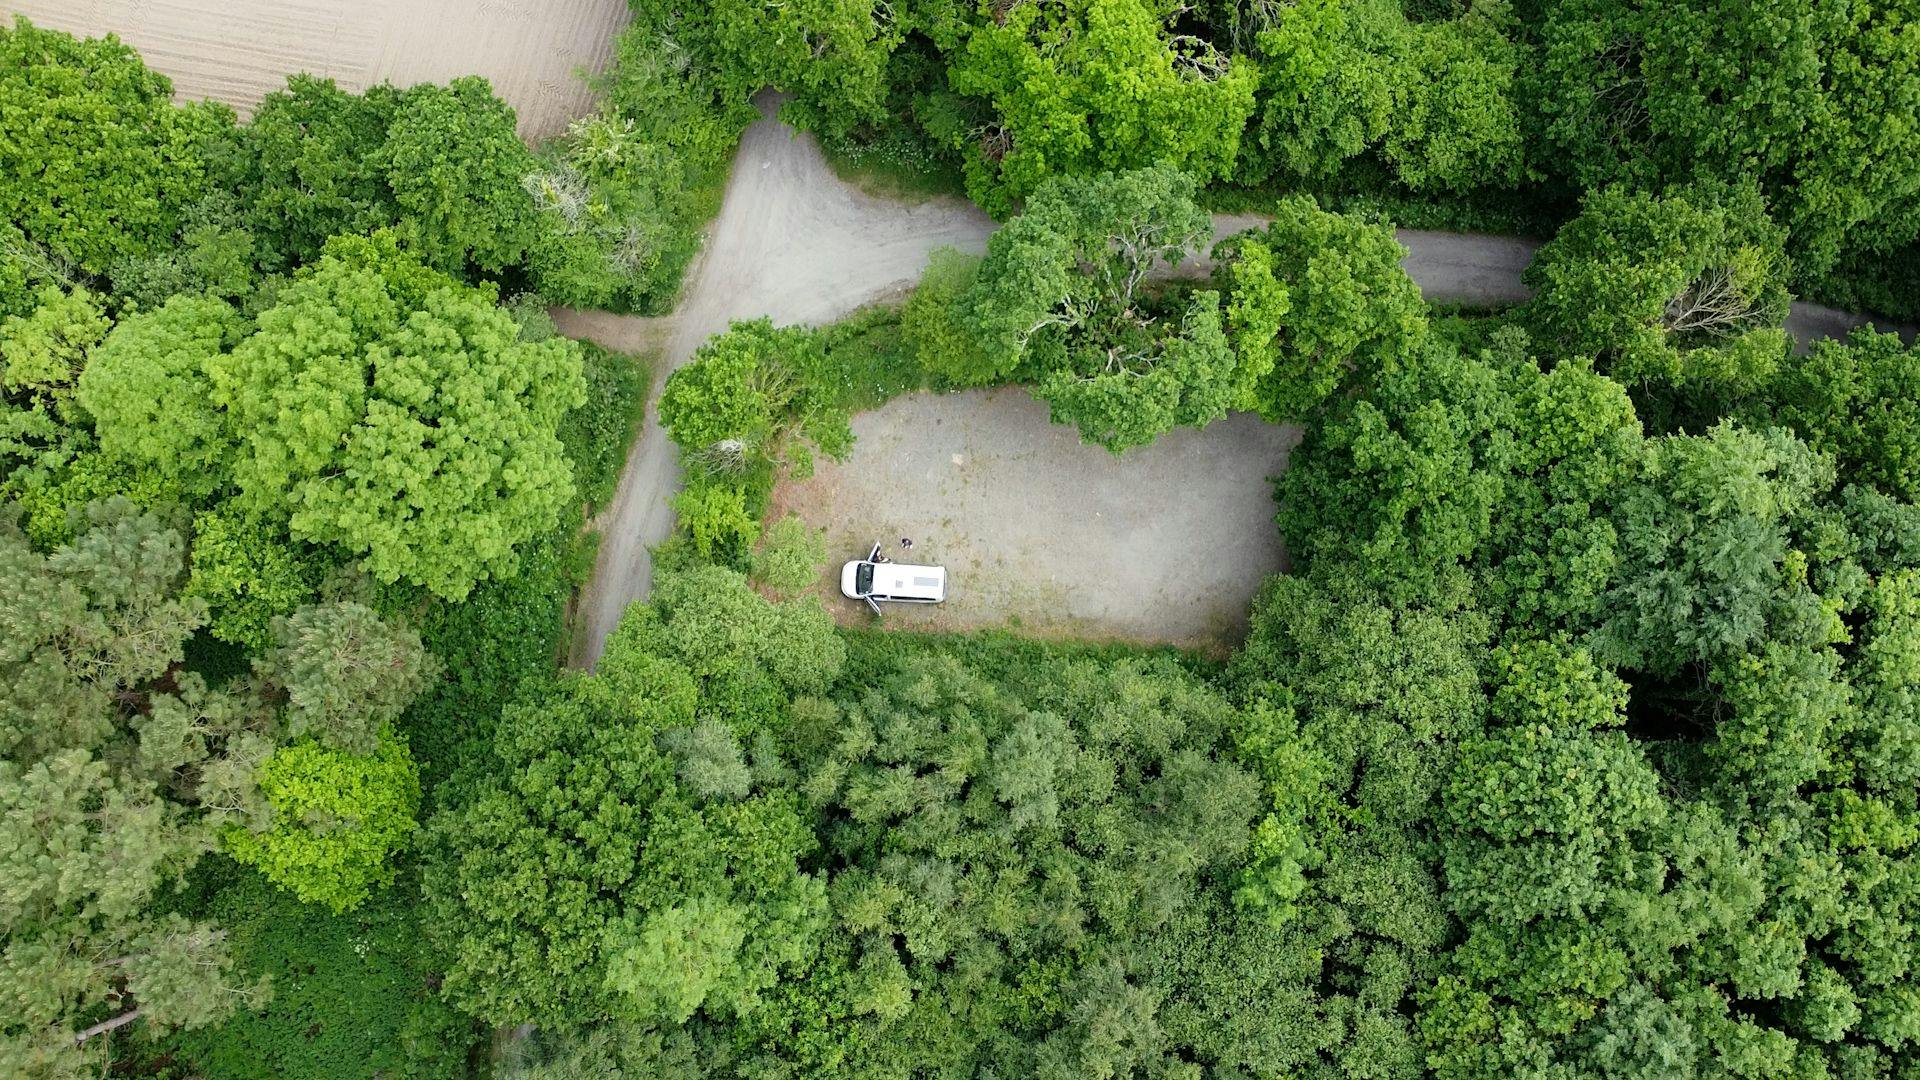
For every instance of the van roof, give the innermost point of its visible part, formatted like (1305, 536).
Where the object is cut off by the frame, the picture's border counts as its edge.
(905, 579)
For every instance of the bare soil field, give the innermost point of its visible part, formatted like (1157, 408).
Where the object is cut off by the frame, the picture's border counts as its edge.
(1046, 535)
(237, 51)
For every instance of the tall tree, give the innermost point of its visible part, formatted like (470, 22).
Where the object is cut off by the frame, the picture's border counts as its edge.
(96, 162)
(1791, 95)
(1683, 290)
(1063, 299)
(114, 778)
(1086, 86)
(1320, 302)
(389, 410)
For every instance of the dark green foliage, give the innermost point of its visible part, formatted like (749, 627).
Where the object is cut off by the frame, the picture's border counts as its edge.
(316, 170)
(570, 884)
(1788, 95)
(360, 987)
(596, 434)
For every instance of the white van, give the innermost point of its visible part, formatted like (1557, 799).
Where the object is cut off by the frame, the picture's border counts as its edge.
(879, 582)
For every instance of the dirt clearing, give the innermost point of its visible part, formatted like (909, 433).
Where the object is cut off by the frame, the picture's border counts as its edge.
(1043, 534)
(237, 51)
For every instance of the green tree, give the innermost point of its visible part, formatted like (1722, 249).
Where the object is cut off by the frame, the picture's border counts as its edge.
(96, 163)
(831, 55)
(455, 168)
(1062, 299)
(388, 410)
(1089, 86)
(148, 390)
(41, 353)
(1858, 400)
(249, 573)
(1680, 290)
(1327, 83)
(346, 673)
(115, 775)
(1708, 552)
(580, 881)
(789, 556)
(337, 819)
(930, 320)
(1456, 123)
(314, 167)
(748, 397)
(1789, 95)
(1322, 304)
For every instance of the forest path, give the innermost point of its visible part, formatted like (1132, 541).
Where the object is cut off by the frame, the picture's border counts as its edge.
(796, 244)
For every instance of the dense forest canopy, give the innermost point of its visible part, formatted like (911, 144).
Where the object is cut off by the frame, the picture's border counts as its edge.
(1581, 739)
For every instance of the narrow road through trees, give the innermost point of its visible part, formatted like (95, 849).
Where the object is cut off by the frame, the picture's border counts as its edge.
(794, 243)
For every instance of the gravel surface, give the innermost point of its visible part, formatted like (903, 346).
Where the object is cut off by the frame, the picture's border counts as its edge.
(792, 242)
(1041, 532)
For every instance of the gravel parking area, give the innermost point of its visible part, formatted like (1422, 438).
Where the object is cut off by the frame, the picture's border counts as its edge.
(1043, 534)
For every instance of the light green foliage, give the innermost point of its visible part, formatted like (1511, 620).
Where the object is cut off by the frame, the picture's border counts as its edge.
(96, 163)
(1087, 86)
(1327, 86)
(1791, 95)
(789, 557)
(1456, 123)
(41, 353)
(714, 518)
(147, 388)
(390, 411)
(1317, 301)
(1858, 400)
(111, 783)
(1675, 291)
(346, 673)
(674, 959)
(749, 395)
(454, 165)
(930, 321)
(1437, 99)
(338, 817)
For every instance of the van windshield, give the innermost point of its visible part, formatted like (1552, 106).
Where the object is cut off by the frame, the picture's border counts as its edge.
(863, 579)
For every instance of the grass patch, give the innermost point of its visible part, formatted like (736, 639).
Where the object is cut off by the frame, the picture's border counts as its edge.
(870, 359)
(894, 167)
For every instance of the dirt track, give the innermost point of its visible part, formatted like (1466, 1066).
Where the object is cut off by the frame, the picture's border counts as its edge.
(792, 242)
(237, 51)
